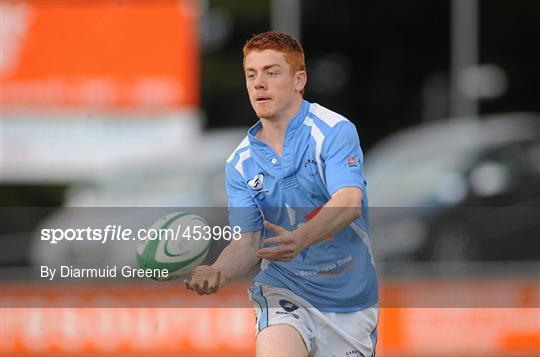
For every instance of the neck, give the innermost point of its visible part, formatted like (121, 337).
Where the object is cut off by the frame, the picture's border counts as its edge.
(273, 130)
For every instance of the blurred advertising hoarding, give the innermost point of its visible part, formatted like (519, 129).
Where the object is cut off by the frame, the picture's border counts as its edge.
(92, 88)
(99, 53)
(106, 321)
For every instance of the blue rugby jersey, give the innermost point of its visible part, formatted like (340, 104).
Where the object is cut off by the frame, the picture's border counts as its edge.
(321, 154)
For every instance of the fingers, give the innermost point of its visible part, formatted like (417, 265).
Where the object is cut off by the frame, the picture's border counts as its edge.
(272, 251)
(287, 246)
(276, 239)
(204, 289)
(274, 228)
(285, 251)
(279, 253)
(198, 286)
(206, 285)
(201, 286)
(284, 239)
(194, 286)
(215, 286)
(284, 257)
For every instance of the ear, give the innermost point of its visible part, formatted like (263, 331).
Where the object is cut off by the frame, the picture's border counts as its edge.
(300, 80)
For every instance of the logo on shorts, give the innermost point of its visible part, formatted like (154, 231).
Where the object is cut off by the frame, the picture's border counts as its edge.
(287, 305)
(288, 314)
(351, 161)
(256, 182)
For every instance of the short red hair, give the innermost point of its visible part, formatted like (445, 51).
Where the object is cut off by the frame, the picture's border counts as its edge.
(281, 42)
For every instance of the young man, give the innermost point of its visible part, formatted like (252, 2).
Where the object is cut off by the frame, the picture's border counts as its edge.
(296, 183)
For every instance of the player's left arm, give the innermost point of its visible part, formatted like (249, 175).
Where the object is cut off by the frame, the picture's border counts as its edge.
(343, 208)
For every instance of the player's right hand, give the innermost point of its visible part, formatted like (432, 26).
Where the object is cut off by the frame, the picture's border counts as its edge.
(205, 280)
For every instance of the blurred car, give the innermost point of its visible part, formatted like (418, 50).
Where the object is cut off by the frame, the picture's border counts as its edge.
(458, 190)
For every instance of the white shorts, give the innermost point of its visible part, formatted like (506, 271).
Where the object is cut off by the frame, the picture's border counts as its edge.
(340, 334)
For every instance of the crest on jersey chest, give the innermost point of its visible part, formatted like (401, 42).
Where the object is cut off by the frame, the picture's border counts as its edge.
(256, 183)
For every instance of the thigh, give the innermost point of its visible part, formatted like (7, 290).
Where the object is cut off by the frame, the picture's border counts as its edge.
(280, 340)
(360, 324)
(346, 334)
(281, 316)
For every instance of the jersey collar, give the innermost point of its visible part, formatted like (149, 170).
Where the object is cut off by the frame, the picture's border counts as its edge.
(295, 123)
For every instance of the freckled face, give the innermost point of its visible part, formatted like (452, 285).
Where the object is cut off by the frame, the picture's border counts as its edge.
(271, 86)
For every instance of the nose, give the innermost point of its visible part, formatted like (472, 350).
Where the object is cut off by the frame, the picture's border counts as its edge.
(260, 82)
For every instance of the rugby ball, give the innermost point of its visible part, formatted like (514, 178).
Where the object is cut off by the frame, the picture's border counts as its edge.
(175, 243)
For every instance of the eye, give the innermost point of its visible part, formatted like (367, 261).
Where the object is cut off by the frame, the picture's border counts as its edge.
(272, 74)
(250, 76)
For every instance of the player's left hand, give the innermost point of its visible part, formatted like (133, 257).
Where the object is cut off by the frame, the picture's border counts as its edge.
(288, 248)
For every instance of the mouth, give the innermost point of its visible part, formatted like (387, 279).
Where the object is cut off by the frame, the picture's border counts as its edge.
(262, 99)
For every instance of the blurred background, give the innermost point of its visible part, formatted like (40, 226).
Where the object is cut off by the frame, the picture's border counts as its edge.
(139, 103)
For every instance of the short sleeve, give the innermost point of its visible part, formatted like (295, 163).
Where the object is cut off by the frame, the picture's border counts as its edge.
(243, 212)
(343, 158)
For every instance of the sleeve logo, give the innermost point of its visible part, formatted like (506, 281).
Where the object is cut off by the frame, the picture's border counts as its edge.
(351, 161)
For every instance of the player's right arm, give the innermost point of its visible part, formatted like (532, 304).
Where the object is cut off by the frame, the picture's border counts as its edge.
(234, 261)
(239, 256)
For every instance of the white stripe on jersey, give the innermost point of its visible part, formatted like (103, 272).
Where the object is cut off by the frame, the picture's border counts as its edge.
(242, 145)
(363, 235)
(329, 117)
(244, 155)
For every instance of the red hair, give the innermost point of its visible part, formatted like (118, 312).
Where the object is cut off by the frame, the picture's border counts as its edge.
(281, 42)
